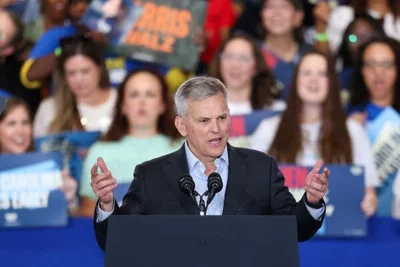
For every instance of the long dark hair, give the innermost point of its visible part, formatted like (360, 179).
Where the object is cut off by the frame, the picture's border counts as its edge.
(263, 84)
(67, 117)
(343, 52)
(13, 103)
(120, 126)
(360, 95)
(334, 140)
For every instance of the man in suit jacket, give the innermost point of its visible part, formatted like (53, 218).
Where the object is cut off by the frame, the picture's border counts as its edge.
(253, 183)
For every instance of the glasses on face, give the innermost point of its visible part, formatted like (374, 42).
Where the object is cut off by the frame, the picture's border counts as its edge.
(231, 57)
(373, 64)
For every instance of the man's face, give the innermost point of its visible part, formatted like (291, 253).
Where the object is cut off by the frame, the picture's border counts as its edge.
(206, 127)
(7, 32)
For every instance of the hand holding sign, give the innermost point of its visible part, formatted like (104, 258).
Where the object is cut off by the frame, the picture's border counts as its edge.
(317, 184)
(369, 203)
(69, 186)
(103, 185)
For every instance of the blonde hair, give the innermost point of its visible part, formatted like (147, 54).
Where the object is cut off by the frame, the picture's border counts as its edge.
(67, 117)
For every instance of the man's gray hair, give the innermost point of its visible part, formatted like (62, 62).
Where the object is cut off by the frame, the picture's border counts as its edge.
(197, 89)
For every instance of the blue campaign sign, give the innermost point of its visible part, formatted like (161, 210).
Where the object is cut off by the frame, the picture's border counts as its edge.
(244, 125)
(344, 217)
(72, 145)
(120, 192)
(30, 193)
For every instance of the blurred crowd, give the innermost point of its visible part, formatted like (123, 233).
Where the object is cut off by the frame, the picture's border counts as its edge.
(330, 66)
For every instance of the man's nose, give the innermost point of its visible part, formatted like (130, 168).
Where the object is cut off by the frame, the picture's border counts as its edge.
(215, 126)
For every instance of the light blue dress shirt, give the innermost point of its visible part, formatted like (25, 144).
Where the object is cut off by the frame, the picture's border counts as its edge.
(196, 170)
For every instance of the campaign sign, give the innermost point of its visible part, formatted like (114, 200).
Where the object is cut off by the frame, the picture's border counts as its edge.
(72, 145)
(243, 126)
(384, 135)
(30, 193)
(156, 31)
(113, 18)
(344, 217)
(120, 192)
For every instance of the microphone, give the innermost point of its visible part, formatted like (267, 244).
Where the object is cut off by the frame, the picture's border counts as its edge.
(214, 185)
(187, 185)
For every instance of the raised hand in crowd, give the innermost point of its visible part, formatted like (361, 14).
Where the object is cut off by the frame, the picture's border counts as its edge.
(360, 117)
(321, 14)
(369, 203)
(69, 186)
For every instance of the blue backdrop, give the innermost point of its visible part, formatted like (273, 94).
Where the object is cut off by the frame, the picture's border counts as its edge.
(76, 246)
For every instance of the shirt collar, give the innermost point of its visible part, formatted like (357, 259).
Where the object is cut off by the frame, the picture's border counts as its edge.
(193, 160)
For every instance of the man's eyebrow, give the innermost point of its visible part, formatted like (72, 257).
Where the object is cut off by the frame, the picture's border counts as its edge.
(203, 118)
(208, 118)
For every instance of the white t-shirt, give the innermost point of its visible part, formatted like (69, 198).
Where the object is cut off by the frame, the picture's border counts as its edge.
(362, 153)
(243, 108)
(95, 118)
(341, 17)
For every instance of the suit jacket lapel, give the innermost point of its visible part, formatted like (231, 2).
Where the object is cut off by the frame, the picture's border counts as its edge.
(174, 169)
(237, 182)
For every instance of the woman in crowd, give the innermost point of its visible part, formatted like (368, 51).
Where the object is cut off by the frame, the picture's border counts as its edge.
(142, 129)
(240, 65)
(283, 45)
(16, 138)
(376, 83)
(385, 11)
(314, 126)
(359, 31)
(83, 99)
(376, 86)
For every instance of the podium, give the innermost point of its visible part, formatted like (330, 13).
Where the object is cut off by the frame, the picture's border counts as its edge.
(201, 241)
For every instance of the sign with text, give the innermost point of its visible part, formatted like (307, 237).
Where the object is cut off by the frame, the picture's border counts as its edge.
(243, 126)
(30, 193)
(72, 145)
(344, 217)
(156, 31)
(384, 134)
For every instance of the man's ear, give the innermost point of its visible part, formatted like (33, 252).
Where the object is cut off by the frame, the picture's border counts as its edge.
(180, 125)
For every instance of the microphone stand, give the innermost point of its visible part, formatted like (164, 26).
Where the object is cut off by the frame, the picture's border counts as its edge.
(202, 204)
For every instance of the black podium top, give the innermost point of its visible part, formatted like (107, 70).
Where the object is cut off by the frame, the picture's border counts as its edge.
(203, 241)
